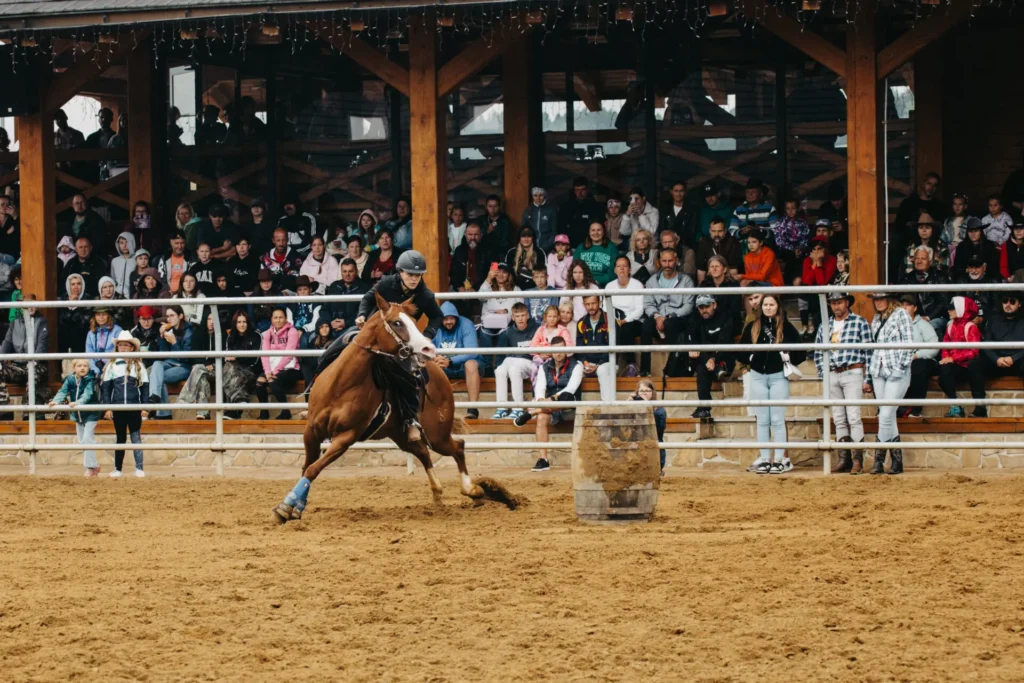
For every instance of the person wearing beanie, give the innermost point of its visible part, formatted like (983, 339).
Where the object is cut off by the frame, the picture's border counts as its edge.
(142, 257)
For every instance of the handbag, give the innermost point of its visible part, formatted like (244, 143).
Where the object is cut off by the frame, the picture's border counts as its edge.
(789, 370)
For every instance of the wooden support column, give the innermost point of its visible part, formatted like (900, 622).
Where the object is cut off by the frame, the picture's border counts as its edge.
(428, 151)
(521, 128)
(864, 152)
(395, 138)
(928, 75)
(141, 134)
(38, 219)
(650, 134)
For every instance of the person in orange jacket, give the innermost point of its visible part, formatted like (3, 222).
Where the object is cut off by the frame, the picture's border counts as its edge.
(759, 263)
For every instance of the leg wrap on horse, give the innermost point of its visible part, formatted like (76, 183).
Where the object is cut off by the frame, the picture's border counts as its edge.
(296, 498)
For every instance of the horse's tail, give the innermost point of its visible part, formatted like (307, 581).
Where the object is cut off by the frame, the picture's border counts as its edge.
(459, 426)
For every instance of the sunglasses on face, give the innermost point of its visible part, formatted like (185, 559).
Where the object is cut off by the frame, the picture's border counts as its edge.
(1011, 300)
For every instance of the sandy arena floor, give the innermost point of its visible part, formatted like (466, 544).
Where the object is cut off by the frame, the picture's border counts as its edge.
(740, 578)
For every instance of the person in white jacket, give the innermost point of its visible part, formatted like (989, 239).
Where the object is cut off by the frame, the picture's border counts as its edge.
(123, 265)
(320, 267)
(628, 309)
(640, 214)
(496, 314)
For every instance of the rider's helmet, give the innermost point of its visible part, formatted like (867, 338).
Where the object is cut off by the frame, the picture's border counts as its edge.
(412, 262)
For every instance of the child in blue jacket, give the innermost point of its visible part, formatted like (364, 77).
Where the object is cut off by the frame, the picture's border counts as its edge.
(79, 389)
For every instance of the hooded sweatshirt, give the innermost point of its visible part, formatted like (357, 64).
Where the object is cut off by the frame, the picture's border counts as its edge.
(122, 267)
(285, 339)
(462, 337)
(65, 241)
(122, 315)
(961, 329)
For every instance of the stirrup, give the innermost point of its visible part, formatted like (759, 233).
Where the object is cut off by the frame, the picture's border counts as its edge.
(412, 429)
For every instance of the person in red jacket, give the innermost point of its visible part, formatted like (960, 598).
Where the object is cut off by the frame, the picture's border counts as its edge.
(953, 366)
(818, 270)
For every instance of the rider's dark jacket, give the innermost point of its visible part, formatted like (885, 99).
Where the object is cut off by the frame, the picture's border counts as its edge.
(390, 289)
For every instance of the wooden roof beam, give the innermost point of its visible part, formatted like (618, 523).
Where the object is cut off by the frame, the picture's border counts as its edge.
(87, 68)
(478, 54)
(921, 36)
(796, 34)
(585, 87)
(368, 57)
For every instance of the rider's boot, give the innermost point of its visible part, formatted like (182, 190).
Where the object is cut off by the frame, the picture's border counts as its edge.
(412, 428)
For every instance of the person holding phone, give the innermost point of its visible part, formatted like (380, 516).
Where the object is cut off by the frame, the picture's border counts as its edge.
(639, 215)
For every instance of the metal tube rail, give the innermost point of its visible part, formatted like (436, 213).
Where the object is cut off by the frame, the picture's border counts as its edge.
(530, 445)
(532, 294)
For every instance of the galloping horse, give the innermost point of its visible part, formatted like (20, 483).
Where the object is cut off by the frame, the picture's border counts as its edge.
(346, 405)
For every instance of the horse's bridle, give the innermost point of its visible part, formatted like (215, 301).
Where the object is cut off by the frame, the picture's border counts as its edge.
(405, 352)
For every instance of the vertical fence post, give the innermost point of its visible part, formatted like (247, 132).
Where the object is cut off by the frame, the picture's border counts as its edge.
(30, 333)
(609, 310)
(826, 376)
(218, 370)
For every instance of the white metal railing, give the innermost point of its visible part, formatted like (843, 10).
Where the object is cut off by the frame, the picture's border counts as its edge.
(219, 445)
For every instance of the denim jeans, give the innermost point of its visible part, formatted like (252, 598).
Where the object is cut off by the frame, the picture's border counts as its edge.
(159, 375)
(847, 385)
(771, 421)
(86, 432)
(893, 387)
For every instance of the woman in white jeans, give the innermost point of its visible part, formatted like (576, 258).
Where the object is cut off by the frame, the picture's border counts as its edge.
(889, 372)
(768, 379)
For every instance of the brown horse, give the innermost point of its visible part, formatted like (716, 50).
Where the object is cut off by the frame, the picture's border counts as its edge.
(346, 404)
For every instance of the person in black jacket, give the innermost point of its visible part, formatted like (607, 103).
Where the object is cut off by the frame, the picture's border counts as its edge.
(407, 283)
(468, 267)
(86, 264)
(240, 372)
(342, 315)
(768, 379)
(978, 274)
(678, 217)
(976, 244)
(1007, 326)
(714, 329)
(934, 305)
(576, 215)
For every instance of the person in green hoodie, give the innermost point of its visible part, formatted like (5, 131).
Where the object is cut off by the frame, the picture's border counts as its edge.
(79, 389)
(599, 253)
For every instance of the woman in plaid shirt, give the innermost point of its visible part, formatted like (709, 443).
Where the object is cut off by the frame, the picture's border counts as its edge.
(889, 372)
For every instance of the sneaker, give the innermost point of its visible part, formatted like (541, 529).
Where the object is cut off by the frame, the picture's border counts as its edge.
(763, 468)
(514, 414)
(915, 413)
(631, 370)
(140, 474)
(92, 472)
(701, 413)
(473, 414)
(646, 373)
(116, 474)
(542, 465)
(955, 411)
(979, 411)
(781, 467)
(499, 414)
(202, 416)
(754, 465)
(522, 419)
(230, 415)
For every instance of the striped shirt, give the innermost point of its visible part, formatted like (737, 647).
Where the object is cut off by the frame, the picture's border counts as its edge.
(762, 215)
(855, 330)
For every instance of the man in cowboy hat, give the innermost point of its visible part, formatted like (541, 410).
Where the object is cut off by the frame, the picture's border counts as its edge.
(847, 376)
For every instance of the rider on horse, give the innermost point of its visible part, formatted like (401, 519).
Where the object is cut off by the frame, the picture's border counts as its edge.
(407, 283)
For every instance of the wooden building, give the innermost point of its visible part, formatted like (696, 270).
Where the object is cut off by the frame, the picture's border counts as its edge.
(365, 102)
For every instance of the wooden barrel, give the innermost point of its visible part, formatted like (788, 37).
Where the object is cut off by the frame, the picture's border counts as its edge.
(616, 471)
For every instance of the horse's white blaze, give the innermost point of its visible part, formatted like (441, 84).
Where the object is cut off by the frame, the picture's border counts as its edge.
(417, 342)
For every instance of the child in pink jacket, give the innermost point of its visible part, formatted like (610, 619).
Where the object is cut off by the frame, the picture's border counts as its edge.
(545, 333)
(559, 262)
(279, 372)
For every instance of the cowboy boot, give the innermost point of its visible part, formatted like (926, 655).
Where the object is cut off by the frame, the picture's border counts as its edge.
(858, 462)
(845, 458)
(896, 465)
(879, 467)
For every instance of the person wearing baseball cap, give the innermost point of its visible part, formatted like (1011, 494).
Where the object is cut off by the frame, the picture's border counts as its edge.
(712, 206)
(755, 211)
(716, 332)
(847, 373)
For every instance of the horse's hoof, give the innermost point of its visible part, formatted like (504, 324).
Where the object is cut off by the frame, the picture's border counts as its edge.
(282, 513)
(476, 492)
(296, 514)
